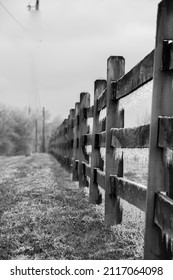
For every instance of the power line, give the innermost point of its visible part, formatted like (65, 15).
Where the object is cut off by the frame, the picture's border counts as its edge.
(17, 21)
(35, 93)
(12, 16)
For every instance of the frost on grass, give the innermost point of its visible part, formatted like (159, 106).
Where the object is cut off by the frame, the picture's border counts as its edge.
(44, 215)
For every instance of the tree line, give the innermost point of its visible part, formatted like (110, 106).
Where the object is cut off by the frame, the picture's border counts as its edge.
(21, 130)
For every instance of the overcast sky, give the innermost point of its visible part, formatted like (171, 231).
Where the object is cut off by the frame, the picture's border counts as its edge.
(48, 57)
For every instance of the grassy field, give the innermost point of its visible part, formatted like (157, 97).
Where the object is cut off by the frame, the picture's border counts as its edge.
(44, 215)
(136, 165)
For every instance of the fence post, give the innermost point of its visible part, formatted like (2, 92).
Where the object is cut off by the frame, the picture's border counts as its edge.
(60, 144)
(162, 105)
(68, 145)
(64, 142)
(71, 138)
(95, 195)
(76, 144)
(115, 70)
(66, 137)
(83, 129)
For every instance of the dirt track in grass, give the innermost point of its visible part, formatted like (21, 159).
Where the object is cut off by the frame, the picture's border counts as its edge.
(44, 215)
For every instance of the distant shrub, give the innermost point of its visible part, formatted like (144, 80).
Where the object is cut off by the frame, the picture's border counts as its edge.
(15, 131)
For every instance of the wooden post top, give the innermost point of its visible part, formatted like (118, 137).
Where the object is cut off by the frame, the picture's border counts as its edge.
(115, 67)
(84, 97)
(99, 86)
(100, 82)
(77, 104)
(72, 112)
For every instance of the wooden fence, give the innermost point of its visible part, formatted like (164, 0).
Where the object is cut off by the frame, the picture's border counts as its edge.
(69, 142)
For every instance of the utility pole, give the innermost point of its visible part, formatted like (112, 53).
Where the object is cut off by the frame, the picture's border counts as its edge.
(37, 5)
(43, 141)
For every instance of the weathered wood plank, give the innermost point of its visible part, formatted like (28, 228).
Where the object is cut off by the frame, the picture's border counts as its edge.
(94, 192)
(99, 177)
(63, 143)
(165, 138)
(100, 140)
(115, 70)
(84, 103)
(76, 144)
(162, 104)
(135, 78)
(102, 100)
(168, 161)
(165, 141)
(130, 191)
(164, 213)
(137, 137)
(70, 139)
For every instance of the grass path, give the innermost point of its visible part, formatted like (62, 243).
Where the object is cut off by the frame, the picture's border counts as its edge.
(43, 215)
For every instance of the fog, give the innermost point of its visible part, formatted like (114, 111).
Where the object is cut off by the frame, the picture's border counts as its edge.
(48, 57)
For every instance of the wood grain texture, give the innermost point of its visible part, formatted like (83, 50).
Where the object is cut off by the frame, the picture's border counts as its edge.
(102, 100)
(137, 137)
(83, 156)
(130, 191)
(165, 138)
(114, 119)
(99, 177)
(136, 77)
(75, 176)
(96, 162)
(164, 213)
(162, 105)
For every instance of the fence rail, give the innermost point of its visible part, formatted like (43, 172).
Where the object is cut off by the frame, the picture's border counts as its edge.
(69, 143)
